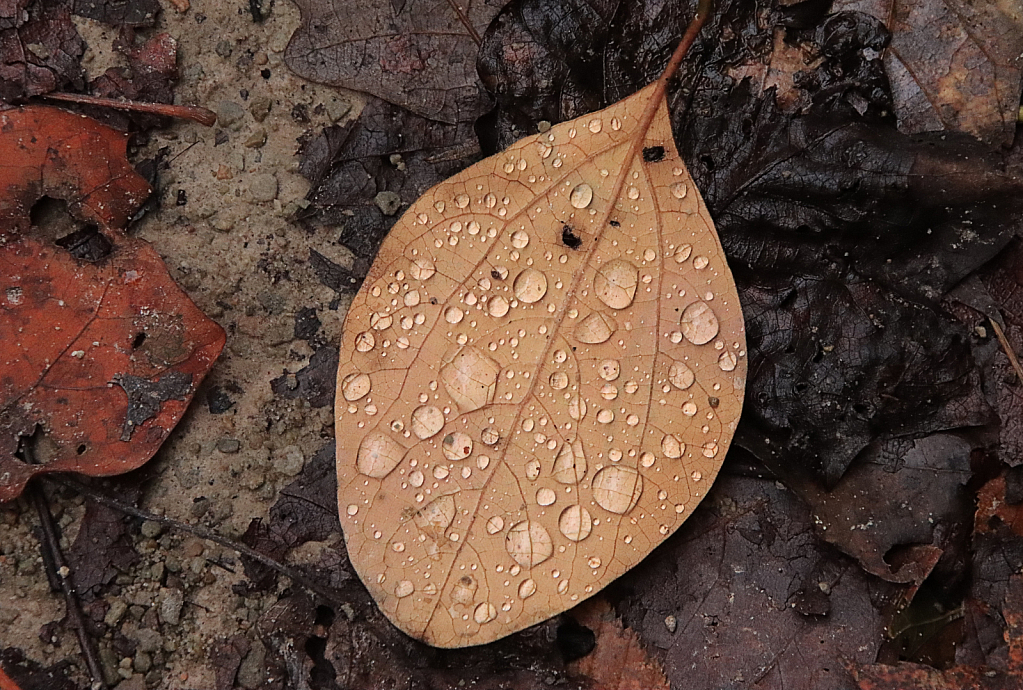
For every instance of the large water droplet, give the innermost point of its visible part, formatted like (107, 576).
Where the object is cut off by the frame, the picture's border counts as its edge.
(484, 613)
(581, 195)
(422, 269)
(570, 464)
(545, 496)
(378, 455)
(615, 283)
(679, 190)
(681, 376)
(617, 489)
(457, 446)
(527, 588)
(356, 386)
(427, 420)
(529, 544)
(498, 306)
(464, 590)
(435, 517)
(495, 524)
(610, 369)
(575, 523)
(530, 286)
(699, 323)
(453, 315)
(595, 328)
(364, 342)
(727, 361)
(559, 380)
(672, 447)
(403, 589)
(470, 379)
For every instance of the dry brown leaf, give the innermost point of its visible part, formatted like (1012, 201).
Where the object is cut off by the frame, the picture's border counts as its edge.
(619, 661)
(538, 380)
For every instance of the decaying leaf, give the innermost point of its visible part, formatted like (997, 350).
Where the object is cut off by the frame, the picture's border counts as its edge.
(101, 350)
(539, 378)
(953, 65)
(420, 56)
(619, 661)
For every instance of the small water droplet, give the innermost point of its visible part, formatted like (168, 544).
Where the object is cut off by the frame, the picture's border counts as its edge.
(380, 321)
(416, 478)
(683, 253)
(484, 613)
(483, 462)
(559, 380)
(608, 391)
(700, 263)
(616, 124)
(595, 329)
(453, 315)
(689, 408)
(649, 255)
(727, 361)
(647, 459)
(605, 416)
(411, 298)
(633, 193)
(609, 369)
(681, 376)
(489, 436)
(352, 510)
(679, 190)
(462, 200)
(404, 589)
(710, 449)
(593, 562)
(398, 547)
(422, 268)
(595, 125)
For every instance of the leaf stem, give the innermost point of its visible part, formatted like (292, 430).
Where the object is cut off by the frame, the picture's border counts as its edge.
(702, 12)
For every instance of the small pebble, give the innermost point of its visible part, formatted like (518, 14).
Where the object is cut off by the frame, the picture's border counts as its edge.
(388, 202)
(229, 113)
(671, 623)
(229, 445)
(256, 139)
(259, 108)
(289, 461)
(263, 187)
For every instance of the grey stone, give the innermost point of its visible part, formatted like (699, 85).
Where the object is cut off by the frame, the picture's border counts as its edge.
(388, 202)
(251, 673)
(171, 601)
(229, 445)
(229, 113)
(118, 607)
(263, 187)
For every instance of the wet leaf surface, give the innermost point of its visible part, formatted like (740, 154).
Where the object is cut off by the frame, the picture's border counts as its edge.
(91, 322)
(23, 674)
(103, 548)
(522, 362)
(119, 12)
(965, 77)
(420, 56)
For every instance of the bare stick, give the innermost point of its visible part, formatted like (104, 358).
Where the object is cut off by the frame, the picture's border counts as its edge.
(201, 532)
(187, 112)
(1007, 347)
(59, 574)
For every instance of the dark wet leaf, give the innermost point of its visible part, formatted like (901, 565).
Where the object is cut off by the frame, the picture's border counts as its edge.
(315, 382)
(965, 77)
(40, 49)
(755, 599)
(420, 56)
(619, 660)
(150, 75)
(102, 550)
(386, 149)
(226, 657)
(30, 675)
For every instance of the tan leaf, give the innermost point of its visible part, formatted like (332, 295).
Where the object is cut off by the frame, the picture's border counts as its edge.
(619, 661)
(538, 380)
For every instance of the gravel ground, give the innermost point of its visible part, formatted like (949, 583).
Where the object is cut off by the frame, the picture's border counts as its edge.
(233, 249)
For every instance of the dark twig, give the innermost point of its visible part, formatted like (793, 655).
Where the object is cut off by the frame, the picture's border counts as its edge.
(1007, 348)
(59, 574)
(202, 533)
(187, 112)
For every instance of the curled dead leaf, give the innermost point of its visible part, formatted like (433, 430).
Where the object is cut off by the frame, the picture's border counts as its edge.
(520, 421)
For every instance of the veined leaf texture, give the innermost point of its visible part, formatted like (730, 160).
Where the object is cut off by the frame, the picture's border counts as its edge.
(539, 378)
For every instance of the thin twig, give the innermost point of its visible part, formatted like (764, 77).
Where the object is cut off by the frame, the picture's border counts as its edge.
(186, 112)
(59, 574)
(1007, 347)
(202, 533)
